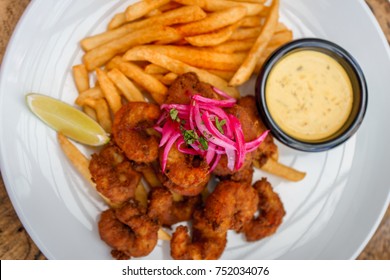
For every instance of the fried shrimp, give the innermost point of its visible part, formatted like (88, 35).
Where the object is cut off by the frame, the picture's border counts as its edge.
(166, 211)
(231, 205)
(128, 230)
(249, 134)
(267, 148)
(113, 174)
(185, 174)
(206, 243)
(271, 213)
(130, 131)
(185, 85)
(244, 175)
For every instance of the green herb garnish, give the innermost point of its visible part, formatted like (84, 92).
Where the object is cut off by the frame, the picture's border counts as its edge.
(203, 142)
(190, 136)
(174, 114)
(219, 124)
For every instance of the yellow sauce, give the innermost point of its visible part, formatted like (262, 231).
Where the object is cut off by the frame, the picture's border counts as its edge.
(309, 95)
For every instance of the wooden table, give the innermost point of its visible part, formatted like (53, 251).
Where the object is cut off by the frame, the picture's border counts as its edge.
(15, 243)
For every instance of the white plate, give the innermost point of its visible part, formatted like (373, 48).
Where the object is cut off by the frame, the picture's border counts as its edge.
(330, 215)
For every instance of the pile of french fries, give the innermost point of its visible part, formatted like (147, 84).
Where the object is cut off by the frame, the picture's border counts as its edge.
(151, 42)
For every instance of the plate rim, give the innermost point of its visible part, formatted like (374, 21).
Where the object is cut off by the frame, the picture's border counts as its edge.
(3, 167)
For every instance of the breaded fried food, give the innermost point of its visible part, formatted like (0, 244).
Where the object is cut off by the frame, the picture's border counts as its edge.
(130, 133)
(128, 230)
(267, 148)
(186, 85)
(185, 174)
(271, 212)
(205, 244)
(166, 211)
(244, 175)
(231, 205)
(249, 134)
(113, 174)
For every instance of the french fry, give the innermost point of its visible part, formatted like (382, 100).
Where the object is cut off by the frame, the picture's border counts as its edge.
(246, 69)
(226, 75)
(138, 75)
(193, 56)
(109, 90)
(251, 21)
(139, 9)
(219, 5)
(251, 1)
(118, 20)
(102, 112)
(168, 78)
(163, 235)
(153, 13)
(80, 162)
(276, 168)
(213, 38)
(277, 40)
(158, 76)
(102, 54)
(179, 68)
(177, 16)
(81, 78)
(155, 69)
(212, 22)
(246, 33)
(150, 177)
(127, 88)
(141, 195)
(92, 93)
(78, 159)
(233, 46)
(90, 112)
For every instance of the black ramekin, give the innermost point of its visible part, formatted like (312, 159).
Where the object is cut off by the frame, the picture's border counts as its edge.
(359, 88)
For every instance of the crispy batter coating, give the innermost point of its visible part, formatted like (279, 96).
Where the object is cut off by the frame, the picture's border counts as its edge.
(185, 174)
(231, 205)
(249, 134)
(222, 170)
(268, 148)
(128, 230)
(206, 243)
(166, 211)
(244, 175)
(186, 85)
(130, 131)
(113, 174)
(271, 213)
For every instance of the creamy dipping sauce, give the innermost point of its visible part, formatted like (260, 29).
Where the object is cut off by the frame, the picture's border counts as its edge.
(309, 95)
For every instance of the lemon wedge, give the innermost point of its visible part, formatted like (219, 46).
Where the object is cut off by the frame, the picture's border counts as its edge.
(66, 119)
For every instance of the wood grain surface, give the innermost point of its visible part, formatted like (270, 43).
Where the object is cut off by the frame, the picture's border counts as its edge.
(15, 242)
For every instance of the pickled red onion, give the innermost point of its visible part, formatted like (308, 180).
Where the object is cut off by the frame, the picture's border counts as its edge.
(196, 130)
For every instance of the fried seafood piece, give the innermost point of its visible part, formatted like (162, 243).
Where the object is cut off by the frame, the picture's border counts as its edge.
(166, 211)
(128, 230)
(185, 174)
(231, 205)
(222, 171)
(186, 85)
(130, 130)
(271, 213)
(244, 175)
(267, 148)
(206, 243)
(113, 174)
(249, 134)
